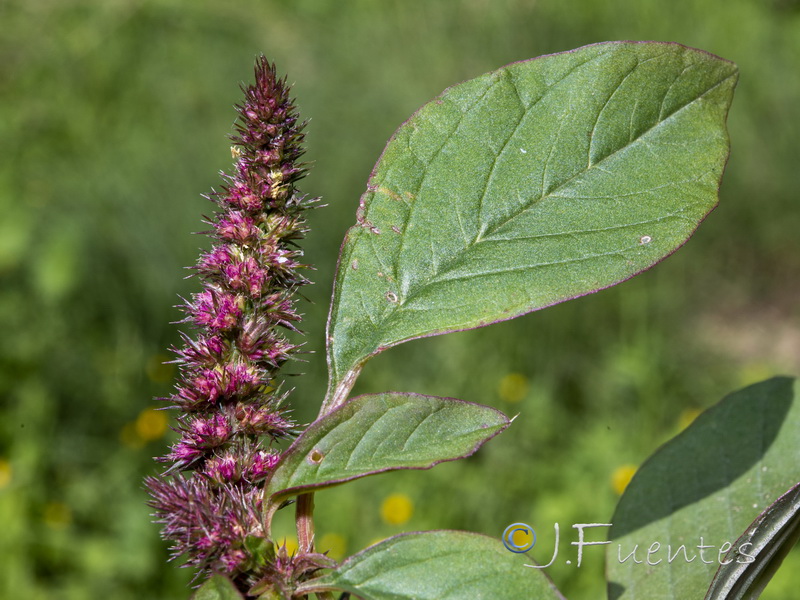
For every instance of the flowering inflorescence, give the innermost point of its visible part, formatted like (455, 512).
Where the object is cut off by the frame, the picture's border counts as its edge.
(209, 499)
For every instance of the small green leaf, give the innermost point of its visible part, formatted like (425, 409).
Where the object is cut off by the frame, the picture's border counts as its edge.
(260, 550)
(437, 565)
(687, 505)
(771, 536)
(542, 181)
(382, 432)
(217, 588)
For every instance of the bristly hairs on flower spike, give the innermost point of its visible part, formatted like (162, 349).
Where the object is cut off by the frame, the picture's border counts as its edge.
(209, 499)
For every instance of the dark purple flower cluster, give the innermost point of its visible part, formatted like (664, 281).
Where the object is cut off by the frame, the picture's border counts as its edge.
(209, 500)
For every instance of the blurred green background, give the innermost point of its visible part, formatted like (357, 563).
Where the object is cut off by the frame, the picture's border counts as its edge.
(113, 120)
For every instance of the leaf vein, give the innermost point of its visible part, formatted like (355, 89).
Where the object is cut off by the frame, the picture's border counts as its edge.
(360, 443)
(438, 151)
(600, 114)
(529, 267)
(582, 231)
(499, 154)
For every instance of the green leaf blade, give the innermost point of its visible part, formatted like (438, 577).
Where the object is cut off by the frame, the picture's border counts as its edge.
(217, 587)
(382, 432)
(710, 482)
(543, 181)
(768, 540)
(437, 565)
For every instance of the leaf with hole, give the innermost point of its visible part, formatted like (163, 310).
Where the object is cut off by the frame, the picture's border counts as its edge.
(542, 181)
(381, 432)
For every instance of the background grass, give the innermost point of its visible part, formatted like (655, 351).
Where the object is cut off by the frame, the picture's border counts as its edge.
(113, 122)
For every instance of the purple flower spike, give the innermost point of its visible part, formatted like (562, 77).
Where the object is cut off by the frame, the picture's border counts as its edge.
(216, 310)
(209, 498)
(223, 469)
(207, 523)
(261, 465)
(237, 227)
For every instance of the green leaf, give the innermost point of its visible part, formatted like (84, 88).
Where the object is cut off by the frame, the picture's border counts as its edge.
(260, 550)
(437, 565)
(542, 181)
(217, 588)
(382, 432)
(704, 487)
(768, 540)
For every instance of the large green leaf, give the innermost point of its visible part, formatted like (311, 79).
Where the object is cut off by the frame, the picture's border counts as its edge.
(437, 565)
(768, 540)
(704, 487)
(539, 182)
(382, 432)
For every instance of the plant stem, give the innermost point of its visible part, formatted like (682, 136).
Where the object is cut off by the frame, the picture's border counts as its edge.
(336, 397)
(304, 513)
(304, 520)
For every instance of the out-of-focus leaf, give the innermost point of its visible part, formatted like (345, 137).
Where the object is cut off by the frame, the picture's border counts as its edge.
(687, 505)
(771, 536)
